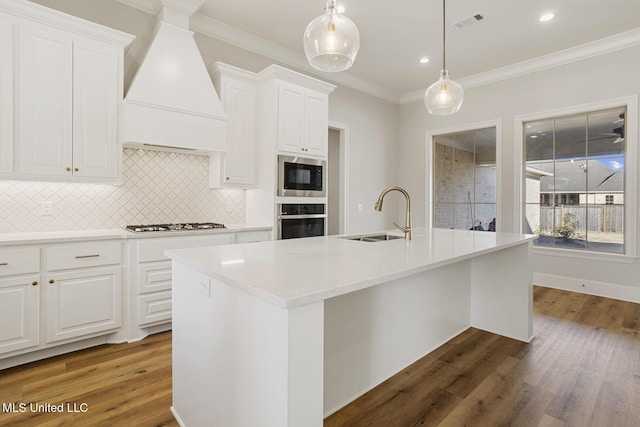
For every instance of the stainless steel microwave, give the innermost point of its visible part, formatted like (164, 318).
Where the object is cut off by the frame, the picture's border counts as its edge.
(298, 176)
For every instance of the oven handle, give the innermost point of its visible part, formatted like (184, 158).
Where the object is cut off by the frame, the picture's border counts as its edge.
(302, 216)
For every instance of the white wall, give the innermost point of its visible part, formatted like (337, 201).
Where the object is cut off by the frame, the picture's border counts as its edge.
(595, 79)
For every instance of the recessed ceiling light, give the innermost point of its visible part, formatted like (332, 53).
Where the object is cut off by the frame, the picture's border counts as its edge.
(533, 136)
(547, 17)
(424, 60)
(340, 9)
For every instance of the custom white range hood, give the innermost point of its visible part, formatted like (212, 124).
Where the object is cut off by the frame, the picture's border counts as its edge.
(171, 103)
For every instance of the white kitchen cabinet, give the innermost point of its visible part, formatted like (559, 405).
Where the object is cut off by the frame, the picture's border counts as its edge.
(83, 289)
(19, 298)
(303, 120)
(45, 94)
(237, 91)
(61, 82)
(68, 104)
(6, 95)
(151, 274)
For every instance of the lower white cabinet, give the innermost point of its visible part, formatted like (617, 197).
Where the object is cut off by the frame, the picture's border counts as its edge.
(19, 298)
(150, 280)
(53, 294)
(57, 297)
(82, 302)
(151, 273)
(84, 289)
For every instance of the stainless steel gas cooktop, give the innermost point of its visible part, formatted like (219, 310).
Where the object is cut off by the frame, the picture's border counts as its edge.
(185, 226)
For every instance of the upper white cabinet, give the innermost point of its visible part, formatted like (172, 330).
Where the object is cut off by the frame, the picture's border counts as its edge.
(237, 90)
(6, 95)
(67, 92)
(294, 109)
(303, 120)
(45, 96)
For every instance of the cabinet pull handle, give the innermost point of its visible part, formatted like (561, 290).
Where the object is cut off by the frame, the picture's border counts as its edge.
(4, 263)
(51, 281)
(68, 169)
(34, 283)
(76, 169)
(87, 256)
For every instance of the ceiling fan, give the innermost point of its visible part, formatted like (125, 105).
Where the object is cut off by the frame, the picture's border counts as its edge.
(617, 132)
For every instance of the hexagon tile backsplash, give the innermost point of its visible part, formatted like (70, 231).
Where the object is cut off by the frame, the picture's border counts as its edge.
(158, 187)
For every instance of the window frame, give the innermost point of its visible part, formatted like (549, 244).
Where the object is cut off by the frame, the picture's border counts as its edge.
(631, 176)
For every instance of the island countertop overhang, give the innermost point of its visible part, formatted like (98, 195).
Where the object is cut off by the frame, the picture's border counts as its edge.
(295, 272)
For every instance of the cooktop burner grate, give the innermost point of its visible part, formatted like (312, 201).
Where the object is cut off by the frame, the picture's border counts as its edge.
(185, 226)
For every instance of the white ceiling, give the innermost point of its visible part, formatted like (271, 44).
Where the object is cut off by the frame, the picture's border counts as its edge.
(395, 34)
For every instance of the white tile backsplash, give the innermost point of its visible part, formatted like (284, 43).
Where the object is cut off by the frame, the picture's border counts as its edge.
(158, 187)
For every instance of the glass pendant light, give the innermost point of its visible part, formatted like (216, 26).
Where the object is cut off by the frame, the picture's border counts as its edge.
(444, 96)
(331, 41)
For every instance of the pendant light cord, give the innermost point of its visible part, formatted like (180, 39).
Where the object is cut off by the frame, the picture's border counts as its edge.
(444, 55)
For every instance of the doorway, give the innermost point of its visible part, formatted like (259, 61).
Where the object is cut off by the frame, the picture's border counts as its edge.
(464, 179)
(337, 179)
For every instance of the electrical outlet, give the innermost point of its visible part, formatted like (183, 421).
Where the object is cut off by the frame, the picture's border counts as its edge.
(46, 208)
(205, 287)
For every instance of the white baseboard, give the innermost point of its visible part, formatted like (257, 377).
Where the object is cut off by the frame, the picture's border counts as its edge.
(590, 287)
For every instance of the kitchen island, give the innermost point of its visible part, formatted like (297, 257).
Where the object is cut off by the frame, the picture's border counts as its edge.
(283, 333)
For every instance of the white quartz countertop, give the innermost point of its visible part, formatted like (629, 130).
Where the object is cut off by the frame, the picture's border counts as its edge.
(295, 272)
(105, 234)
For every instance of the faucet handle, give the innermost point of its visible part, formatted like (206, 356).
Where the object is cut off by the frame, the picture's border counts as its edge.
(403, 229)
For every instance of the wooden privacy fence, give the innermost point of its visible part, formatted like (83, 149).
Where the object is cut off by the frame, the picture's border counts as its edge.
(605, 218)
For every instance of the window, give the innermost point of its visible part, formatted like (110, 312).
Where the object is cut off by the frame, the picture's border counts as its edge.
(464, 174)
(575, 180)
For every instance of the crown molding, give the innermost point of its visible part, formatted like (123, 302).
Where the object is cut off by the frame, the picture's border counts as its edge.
(38, 13)
(219, 30)
(151, 7)
(588, 50)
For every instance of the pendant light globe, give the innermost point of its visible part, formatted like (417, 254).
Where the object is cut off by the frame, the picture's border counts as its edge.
(443, 97)
(331, 41)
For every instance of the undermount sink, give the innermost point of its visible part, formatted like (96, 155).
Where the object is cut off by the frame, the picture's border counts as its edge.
(374, 237)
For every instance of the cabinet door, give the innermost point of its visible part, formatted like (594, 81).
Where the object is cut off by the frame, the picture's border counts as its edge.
(239, 105)
(19, 313)
(291, 118)
(95, 103)
(44, 96)
(6, 95)
(317, 123)
(83, 302)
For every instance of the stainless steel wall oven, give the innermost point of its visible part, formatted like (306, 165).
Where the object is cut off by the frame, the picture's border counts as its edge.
(301, 220)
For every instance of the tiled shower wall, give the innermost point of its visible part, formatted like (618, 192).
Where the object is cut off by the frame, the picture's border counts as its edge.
(158, 187)
(465, 192)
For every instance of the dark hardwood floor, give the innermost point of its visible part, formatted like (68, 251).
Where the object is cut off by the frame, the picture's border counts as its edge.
(582, 369)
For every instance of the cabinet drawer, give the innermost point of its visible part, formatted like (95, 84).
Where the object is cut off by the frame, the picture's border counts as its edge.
(253, 236)
(79, 255)
(153, 248)
(154, 308)
(154, 276)
(19, 261)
